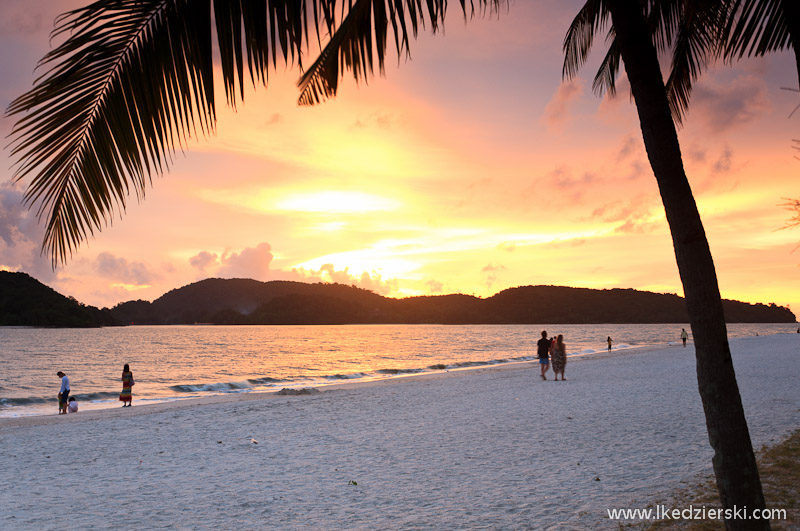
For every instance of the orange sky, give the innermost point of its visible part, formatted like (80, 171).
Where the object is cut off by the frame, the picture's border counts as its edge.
(470, 168)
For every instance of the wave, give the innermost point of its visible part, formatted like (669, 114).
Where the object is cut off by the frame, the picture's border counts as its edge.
(399, 371)
(38, 400)
(26, 401)
(211, 387)
(266, 380)
(352, 376)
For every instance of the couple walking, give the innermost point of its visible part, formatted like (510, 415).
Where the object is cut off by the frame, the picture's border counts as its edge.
(552, 348)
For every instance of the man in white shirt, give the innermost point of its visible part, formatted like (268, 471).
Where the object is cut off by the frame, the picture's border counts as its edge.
(63, 394)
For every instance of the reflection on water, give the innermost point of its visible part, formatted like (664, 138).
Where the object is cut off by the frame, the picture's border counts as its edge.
(182, 361)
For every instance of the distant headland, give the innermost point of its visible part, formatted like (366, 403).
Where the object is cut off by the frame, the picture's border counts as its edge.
(24, 301)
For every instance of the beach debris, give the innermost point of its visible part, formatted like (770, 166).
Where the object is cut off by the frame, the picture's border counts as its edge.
(295, 392)
(354, 483)
(597, 478)
(252, 441)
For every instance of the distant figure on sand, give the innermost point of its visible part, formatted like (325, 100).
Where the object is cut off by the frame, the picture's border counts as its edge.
(609, 343)
(543, 346)
(684, 336)
(559, 357)
(72, 405)
(63, 393)
(126, 395)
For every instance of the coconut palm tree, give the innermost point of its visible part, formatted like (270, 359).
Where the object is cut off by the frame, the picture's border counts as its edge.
(134, 77)
(693, 29)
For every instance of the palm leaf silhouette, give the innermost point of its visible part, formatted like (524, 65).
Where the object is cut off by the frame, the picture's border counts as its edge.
(131, 82)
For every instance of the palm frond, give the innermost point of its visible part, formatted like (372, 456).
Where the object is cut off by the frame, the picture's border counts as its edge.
(697, 42)
(578, 41)
(606, 77)
(358, 42)
(261, 29)
(758, 27)
(131, 82)
(115, 99)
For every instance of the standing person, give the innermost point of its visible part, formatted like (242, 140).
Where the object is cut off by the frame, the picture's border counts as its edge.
(609, 343)
(684, 336)
(127, 382)
(543, 346)
(559, 357)
(63, 393)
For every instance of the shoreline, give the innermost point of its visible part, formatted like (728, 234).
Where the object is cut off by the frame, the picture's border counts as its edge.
(159, 405)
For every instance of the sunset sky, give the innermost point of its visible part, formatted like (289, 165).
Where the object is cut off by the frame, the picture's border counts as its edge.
(470, 168)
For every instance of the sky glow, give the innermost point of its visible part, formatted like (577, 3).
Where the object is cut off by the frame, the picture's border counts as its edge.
(470, 168)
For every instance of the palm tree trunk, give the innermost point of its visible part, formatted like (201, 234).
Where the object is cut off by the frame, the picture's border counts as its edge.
(734, 462)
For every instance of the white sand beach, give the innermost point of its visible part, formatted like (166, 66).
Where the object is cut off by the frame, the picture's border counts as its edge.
(490, 448)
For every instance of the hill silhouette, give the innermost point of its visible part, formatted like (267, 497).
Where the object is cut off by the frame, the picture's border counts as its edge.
(246, 301)
(24, 301)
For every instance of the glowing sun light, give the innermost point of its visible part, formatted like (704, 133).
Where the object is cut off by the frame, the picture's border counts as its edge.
(337, 202)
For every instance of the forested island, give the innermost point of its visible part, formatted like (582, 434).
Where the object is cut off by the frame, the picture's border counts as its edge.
(26, 302)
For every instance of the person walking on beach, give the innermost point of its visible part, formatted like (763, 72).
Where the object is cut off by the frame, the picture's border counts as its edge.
(684, 336)
(126, 396)
(63, 393)
(609, 343)
(543, 346)
(559, 357)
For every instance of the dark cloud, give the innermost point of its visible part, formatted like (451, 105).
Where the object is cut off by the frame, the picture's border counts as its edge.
(21, 235)
(723, 164)
(722, 107)
(630, 145)
(18, 17)
(109, 266)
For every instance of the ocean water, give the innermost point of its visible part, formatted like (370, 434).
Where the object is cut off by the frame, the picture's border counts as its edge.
(177, 362)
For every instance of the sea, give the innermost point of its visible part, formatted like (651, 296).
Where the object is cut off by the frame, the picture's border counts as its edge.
(180, 362)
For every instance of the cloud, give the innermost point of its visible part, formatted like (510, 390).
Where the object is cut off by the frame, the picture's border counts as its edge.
(434, 286)
(634, 216)
(18, 17)
(251, 262)
(630, 145)
(328, 274)
(275, 118)
(508, 247)
(492, 272)
(558, 109)
(722, 107)
(376, 119)
(136, 273)
(21, 235)
(723, 164)
(203, 260)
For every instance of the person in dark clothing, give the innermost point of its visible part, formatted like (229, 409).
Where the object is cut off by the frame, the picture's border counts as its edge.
(544, 353)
